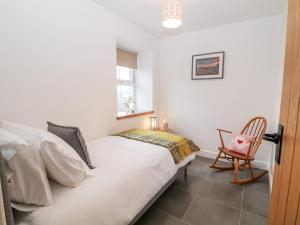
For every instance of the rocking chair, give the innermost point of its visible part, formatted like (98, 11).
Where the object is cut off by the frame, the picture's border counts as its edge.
(255, 128)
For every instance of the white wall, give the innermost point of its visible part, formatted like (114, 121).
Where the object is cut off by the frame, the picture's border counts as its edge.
(144, 81)
(196, 108)
(57, 63)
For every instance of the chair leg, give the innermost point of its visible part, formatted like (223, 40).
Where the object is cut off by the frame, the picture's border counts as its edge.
(185, 173)
(220, 167)
(236, 171)
(252, 175)
(216, 160)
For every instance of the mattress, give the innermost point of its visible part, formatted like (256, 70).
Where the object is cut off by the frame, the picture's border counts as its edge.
(128, 174)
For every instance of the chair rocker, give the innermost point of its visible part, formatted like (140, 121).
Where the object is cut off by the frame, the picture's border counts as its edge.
(256, 128)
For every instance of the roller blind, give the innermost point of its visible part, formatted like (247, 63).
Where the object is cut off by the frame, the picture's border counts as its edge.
(126, 58)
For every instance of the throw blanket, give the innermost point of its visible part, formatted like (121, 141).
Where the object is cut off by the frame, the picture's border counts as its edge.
(180, 147)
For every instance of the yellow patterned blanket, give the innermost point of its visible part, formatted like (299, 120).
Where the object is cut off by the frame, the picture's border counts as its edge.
(180, 147)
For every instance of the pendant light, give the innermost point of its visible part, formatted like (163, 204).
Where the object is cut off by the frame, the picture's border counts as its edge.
(172, 13)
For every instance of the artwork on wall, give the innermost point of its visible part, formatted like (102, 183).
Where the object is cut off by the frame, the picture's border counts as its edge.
(208, 66)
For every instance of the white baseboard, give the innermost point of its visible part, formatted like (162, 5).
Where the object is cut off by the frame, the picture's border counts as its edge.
(212, 155)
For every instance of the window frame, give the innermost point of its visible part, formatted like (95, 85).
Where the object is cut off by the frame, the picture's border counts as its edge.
(130, 83)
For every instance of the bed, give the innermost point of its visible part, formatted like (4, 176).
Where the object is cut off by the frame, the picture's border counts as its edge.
(129, 176)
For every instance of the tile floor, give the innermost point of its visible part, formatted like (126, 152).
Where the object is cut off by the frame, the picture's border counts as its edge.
(206, 197)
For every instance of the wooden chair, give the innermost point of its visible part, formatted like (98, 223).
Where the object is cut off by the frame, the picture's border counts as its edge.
(256, 127)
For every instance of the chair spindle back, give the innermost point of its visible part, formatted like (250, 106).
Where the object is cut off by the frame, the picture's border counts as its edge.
(256, 127)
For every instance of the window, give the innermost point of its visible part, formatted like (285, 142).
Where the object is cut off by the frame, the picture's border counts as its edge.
(134, 83)
(126, 90)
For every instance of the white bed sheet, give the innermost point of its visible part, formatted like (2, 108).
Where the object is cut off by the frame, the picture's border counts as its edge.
(128, 174)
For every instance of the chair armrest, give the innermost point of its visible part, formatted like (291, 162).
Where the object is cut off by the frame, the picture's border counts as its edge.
(226, 131)
(221, 136)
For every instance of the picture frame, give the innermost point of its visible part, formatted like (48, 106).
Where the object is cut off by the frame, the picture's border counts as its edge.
(208, 66)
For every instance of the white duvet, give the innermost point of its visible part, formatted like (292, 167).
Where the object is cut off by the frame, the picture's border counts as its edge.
(128, 174)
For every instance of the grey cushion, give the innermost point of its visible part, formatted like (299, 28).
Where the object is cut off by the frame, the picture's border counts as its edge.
(6, 199)
(73, 136)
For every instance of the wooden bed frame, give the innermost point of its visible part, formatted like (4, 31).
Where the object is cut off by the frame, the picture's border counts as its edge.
(8, 210)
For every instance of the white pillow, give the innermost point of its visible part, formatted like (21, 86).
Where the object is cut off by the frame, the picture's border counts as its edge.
(65, 174)
(27, 133)
(7, 138)
(28, 182)
(62, 166)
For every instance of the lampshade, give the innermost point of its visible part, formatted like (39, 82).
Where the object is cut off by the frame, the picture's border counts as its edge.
(172, 13)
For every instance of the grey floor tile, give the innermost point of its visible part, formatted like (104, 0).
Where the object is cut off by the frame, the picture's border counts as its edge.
(184, 223)
(228, 194)
(224, 163)
(217, 201)
(204, 161)
(261, 184)
(209, 212)
(174, 202)
(201, 166)
(191, 183)
(224, 175)
(251, 219)
(155, 217)
(256, 203)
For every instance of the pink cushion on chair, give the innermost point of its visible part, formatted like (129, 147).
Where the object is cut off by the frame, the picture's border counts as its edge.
(240, 143)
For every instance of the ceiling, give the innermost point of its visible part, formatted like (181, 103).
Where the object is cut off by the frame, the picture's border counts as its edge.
(197, 14)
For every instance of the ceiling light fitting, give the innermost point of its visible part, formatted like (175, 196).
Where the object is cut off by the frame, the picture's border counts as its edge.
(172, 13)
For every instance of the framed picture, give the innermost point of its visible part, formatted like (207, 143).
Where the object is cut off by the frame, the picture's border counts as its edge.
(208, 66)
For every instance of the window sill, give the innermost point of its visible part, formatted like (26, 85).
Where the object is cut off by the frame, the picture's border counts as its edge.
(136, 114)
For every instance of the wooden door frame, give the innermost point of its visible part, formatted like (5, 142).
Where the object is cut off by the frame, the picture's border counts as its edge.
(285, 193)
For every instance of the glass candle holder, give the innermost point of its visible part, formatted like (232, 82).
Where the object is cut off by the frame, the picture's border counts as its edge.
(153, 121)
